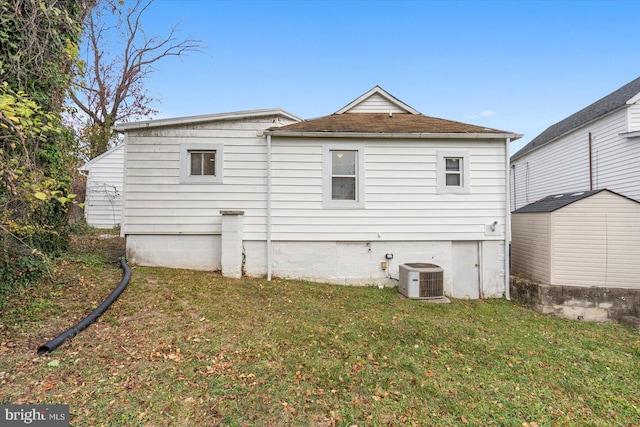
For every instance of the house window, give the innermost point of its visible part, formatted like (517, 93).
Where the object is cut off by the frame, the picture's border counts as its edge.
(453, 172)
(201, 163)
(343, 176)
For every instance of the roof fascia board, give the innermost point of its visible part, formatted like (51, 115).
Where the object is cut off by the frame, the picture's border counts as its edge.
(147, 124)
(381, 92)
(395, 135)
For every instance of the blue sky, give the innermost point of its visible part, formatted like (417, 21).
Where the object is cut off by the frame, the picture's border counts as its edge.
(512, 65)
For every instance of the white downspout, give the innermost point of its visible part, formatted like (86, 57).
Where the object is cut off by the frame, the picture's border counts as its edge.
(507, 224)
(269, 251)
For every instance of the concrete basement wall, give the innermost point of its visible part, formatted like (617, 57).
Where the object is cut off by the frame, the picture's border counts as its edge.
(595, 304)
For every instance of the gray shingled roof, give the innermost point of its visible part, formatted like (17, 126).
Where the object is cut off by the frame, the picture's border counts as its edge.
(604, 106)
(557, 201)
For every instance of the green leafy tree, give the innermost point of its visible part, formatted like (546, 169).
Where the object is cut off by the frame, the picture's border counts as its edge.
(38, 50)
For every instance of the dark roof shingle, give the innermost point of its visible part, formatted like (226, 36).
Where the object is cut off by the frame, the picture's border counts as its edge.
(557, 201)
(594, 111)
(383, 123)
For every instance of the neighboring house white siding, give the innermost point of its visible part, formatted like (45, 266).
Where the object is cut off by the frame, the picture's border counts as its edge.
(597, 147)
(563, 165)
(634, 117)
(104, 189)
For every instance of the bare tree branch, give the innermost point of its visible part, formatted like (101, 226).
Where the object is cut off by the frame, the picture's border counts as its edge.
(112, 88)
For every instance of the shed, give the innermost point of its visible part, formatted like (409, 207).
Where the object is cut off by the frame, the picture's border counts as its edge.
(104, 189)
(586, 238)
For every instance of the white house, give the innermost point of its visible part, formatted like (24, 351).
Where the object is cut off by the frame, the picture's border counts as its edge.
(344, 198)
(104, 188)
(597, 147)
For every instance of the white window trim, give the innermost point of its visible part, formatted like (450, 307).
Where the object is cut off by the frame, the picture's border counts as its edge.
(442, 186)
(185, 170)
(327, 201)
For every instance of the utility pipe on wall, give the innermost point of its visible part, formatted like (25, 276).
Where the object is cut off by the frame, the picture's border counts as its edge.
(507, 224)
(590, 162)
(269, 252)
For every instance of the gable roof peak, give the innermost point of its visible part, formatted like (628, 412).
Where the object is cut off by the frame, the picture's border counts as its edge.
(377, 100)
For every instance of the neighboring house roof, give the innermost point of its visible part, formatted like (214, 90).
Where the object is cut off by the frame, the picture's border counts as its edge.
(87, 166)
(557, 201)
(364, 116)
(237, 115)
(600, 108)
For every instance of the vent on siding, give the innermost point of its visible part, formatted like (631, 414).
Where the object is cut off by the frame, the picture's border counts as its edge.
(421, 281)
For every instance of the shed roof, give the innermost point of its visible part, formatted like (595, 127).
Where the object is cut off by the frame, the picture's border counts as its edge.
(557, 201)
(600, 108)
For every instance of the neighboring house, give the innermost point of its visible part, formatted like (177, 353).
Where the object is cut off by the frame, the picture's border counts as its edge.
(334, 199)
(597, 147)
(587, 238)
(103, 198)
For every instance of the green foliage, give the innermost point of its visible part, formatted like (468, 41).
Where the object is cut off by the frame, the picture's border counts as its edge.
(38, 47)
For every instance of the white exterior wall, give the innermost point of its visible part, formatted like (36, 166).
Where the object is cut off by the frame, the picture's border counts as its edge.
(104, 189)
(156, 201)
(172, 224)
(563, 165)
(531, 245)
(596, 242)
(634, 117)
(376, 104)
(401, 201)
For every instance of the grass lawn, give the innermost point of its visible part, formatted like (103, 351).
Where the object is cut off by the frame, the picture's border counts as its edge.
(187, 348)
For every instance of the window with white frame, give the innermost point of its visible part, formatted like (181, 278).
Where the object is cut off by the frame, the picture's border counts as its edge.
(343, 176)
(201, 163)
(453, 172)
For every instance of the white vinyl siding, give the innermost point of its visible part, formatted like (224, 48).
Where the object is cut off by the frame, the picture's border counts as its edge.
(158, 203)
(402, 202)
(563, 165)
(376, 104)
(634, 117)
(104, 189)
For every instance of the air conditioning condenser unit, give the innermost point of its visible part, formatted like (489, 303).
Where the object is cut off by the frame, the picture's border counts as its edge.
(421, 280)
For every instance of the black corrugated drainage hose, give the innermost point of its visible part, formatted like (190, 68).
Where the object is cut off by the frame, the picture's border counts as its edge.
(73, 331)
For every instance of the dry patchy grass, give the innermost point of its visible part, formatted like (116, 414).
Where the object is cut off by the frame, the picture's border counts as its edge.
(186, 348)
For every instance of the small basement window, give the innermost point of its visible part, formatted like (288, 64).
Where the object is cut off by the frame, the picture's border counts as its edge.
(201, 163)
